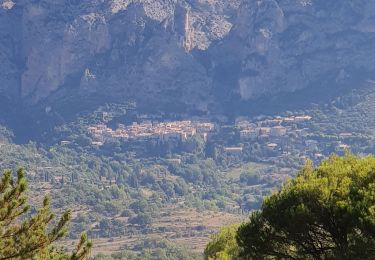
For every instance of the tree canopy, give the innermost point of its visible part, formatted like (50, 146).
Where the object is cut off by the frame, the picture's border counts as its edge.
(23, 237)
(327, 212)
(223, 245)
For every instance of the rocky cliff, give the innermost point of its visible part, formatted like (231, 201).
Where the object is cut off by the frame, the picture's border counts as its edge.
(181, 54)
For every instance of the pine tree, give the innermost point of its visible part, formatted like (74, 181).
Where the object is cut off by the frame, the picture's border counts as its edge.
(327, 212)
(324, 213)
(34, 237)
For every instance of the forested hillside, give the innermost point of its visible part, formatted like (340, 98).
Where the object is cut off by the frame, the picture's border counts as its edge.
(175, 193)
(324, 213)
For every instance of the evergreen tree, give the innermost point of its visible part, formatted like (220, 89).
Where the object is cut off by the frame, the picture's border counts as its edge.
(34, 237)
(223, 245)
(324, 213)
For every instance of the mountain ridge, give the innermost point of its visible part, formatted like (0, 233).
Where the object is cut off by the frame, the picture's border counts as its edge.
(181, 55)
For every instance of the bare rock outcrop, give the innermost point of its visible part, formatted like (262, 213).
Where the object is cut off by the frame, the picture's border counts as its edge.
(181, 54)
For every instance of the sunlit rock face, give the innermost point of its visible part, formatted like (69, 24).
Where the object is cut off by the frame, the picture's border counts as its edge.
(180, 54)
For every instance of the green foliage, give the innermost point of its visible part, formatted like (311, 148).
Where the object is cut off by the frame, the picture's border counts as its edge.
(324, 213)
(150, 249)
(223, 245)
(83, 248)
(250, 178)
(102, 182)
(141, 219)
(32, 237)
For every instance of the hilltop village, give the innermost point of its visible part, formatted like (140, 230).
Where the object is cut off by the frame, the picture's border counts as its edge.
(182, 130)
(280, 138)
(164, 131)
(273, 137)
(263, 129)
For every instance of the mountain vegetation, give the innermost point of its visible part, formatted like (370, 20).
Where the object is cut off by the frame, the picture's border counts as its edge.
(180, 192)
(326, 212)
(223, 245)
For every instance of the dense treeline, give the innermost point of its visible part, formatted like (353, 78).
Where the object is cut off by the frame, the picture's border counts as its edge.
(324, 213)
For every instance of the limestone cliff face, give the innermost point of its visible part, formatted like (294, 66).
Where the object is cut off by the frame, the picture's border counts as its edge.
(295, 44)
(180, 54)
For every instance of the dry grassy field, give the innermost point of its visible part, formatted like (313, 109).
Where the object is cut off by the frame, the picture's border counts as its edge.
(186, 227)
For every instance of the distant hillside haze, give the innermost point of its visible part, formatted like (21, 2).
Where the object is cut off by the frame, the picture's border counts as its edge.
(181, 55)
